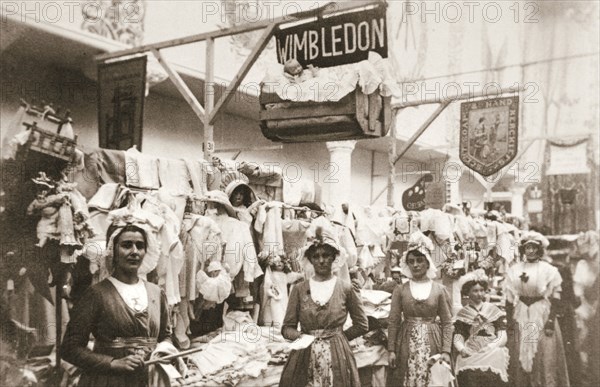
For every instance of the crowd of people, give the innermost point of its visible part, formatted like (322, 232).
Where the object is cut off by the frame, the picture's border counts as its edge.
(518, 342)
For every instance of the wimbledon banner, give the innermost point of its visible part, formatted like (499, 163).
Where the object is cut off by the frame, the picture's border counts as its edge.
(335, 40)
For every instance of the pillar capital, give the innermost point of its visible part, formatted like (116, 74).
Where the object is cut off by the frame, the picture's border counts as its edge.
(341, 146)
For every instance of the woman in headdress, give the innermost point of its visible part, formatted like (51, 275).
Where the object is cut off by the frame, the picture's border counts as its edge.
(126, 315)
(533, 290)
(420, 322)
(480, 336)
(321, 305)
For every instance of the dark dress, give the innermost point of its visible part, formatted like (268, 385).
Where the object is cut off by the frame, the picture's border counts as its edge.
(415, 334)
(103, 313)
(331, 318)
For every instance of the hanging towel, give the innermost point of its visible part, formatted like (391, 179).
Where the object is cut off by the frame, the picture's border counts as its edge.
(141, 170)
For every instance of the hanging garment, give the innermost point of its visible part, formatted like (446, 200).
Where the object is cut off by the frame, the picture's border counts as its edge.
(141, 170)
(294, 240)
(215, 289)
(171, 258)
(239, 247)
(199, 173)
(174, 176)
(269, 224)
(9, 145)
(201, 238)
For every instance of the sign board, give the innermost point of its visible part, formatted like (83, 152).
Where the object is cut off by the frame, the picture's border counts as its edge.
(435, 195)
(413, 199)
(335, 40)
(568, 160)
(535, 206)
(121, 93)
(489, 133)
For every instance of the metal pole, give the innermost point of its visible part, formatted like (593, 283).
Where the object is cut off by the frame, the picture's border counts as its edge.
(209, 99)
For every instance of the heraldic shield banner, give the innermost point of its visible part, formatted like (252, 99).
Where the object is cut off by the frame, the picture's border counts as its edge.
(489, 133)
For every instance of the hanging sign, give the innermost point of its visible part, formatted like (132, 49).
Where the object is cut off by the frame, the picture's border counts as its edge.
(413, 199)
(335, 40)
(435, 195)
(121, 93)
(489, 133)
(568, 159)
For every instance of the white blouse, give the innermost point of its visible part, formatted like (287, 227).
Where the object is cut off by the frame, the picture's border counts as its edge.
(135, 296)
(321, 292)
(421, 290)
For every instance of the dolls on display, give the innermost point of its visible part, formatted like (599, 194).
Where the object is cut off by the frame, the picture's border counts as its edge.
(46, 204)
(277, 277)
(294, 72)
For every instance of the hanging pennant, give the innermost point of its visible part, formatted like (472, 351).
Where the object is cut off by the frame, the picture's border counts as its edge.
(121, 93)
(489, 133)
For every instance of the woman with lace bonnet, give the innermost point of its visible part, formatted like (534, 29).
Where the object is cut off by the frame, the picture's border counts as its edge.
(480, 336)
(126, 315)
(321, 305)
(420, 322)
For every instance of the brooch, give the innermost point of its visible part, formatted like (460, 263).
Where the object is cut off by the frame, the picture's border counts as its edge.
(524, 277)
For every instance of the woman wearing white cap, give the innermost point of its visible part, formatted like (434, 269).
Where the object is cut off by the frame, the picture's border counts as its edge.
(533, 290)
(414, 332)
(321, 305)
(126, 315)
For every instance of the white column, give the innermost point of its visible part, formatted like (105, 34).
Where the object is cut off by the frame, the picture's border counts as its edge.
(339, 184)
(517, 202)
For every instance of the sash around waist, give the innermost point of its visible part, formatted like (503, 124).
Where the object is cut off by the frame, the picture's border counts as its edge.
(323, 334)
(126, 342)
(530, 300)
(419, 320)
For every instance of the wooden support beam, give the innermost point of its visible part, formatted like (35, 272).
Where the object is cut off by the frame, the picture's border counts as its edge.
(339, 7)
(209, 99)
(391, 187)
(422, 129)
(231, 89)
(181, 86)
(414, 138)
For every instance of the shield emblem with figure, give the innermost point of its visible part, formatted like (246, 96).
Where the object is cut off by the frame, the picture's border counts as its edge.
(489, 133)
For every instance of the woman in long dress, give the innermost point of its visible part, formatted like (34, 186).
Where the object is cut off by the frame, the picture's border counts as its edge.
(126, 315)
(533, 289)
(420, 322)
(321, 306)
(480, 337)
